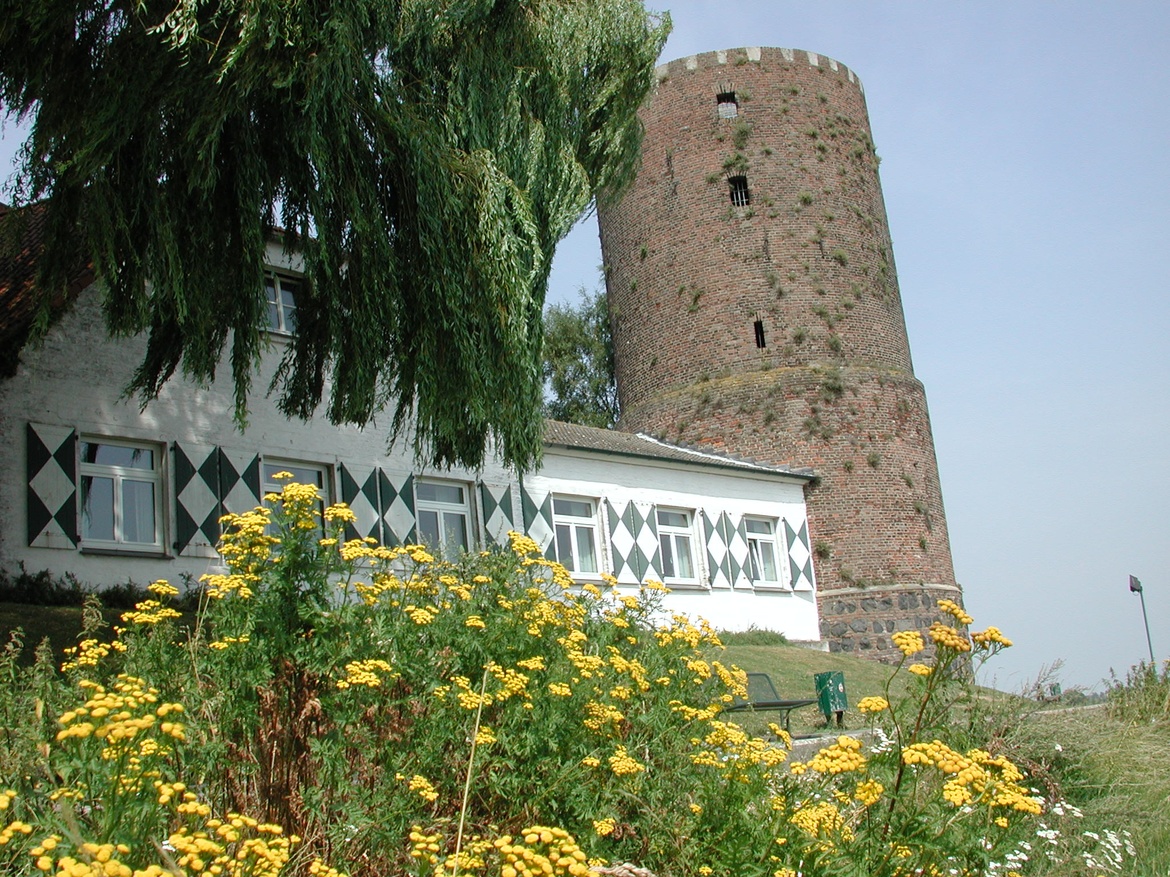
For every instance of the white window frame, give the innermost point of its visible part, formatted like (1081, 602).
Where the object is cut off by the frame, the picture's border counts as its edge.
(756, 543)
(673, 533)
(442, 509)
(574, 525)
(119, 475)
(281, 316)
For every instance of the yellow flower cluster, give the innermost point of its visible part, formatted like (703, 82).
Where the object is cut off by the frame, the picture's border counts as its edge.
(422, 786)
(624, 764)
(512, 682)
(868, 792)
(920, 670)
(821, 820)
(604, 827)
(227, 642)
(560, 689)
(163, 588)
(873, 704)
(12, 829)
(370, 673)
(238, 846)
(947, 637)
(474, 622)
(340, 513)
(541, 851)
(424, 846)
(246, 548)
(320, 869)
(735, 752)
(953, 609)
(119, 715)
(421, 615)
(96, 860)
(484, 736)
(976, 776)
(909, 641)
(602, 716)
(992, 636)
(88, 653)
(150, 612)
(840, 757)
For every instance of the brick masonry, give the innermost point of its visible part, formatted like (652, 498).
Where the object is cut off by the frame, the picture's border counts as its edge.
(774, 329)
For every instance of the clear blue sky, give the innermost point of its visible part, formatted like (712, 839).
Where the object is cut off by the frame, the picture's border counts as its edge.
(1026, 171)
(1026, 168)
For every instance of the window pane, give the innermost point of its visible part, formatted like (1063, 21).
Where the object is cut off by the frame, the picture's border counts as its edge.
(117, 455)
(300, 474)
(586, 549)
(667, 556)
(575, 508)
(138, 512)
(672, 519)
(754, 525)
(430, 492)
(97, 508)
(428, 529)
(455, 534)
(565, 547)
(683, 549)
(768, 556)
(753, 560)
(273, 307)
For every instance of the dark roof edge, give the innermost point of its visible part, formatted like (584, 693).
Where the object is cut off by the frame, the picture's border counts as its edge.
(679, 454)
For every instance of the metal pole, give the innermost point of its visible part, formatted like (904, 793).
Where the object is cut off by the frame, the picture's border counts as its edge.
(1136, 586)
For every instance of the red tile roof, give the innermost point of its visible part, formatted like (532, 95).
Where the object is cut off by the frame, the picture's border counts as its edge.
(21, 244)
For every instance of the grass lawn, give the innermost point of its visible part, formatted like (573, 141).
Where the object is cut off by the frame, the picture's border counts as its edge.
(792, 669)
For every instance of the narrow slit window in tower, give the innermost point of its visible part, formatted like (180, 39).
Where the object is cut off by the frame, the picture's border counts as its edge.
(740, 195)
(760, 334)
(727, 104)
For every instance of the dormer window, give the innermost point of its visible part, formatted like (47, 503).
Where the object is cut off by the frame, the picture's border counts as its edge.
(282, 292)
(728, 106)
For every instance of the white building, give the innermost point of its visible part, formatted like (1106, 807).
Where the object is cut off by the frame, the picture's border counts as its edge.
(93, 486)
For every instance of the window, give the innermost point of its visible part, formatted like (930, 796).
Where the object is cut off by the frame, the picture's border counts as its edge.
(302, 473)
(443, 517)
(282, 292)
(674, 538)
(728, 106)
(576, 530)
(761, 540)
(759, 327)
(741, 196)
(121, 494)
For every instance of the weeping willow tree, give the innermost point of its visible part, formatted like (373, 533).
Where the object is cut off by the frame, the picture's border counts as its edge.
(424, 157)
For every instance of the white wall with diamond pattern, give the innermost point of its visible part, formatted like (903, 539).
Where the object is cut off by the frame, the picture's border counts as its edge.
(71, 388)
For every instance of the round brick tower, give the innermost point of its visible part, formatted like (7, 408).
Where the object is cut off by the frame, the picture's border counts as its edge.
(756, 309)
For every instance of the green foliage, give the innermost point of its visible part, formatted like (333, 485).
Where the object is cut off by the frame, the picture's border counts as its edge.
(422, 158)
(1144, 696)
(394, 715)
(578, 362)
(753, 636)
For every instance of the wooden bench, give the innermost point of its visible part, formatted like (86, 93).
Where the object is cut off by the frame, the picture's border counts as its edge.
(763, 697)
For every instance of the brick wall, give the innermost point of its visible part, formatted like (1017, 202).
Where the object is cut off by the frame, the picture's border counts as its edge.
(774, 329)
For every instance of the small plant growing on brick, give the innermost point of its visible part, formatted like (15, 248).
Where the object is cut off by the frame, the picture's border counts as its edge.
(874, 459)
